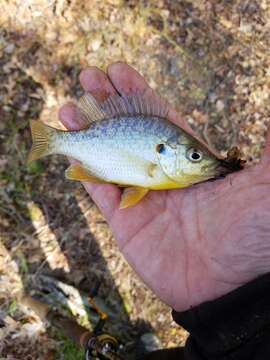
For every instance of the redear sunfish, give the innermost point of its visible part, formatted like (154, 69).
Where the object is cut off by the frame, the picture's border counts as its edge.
(127, 140)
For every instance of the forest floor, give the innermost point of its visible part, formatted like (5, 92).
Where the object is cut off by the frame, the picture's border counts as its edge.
(210, 59)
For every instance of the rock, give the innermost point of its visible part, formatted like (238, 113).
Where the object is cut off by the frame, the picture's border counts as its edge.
(147, 343)
(220, 105)
(9, 48)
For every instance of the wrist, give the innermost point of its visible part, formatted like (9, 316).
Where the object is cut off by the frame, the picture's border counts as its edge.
(231, 322)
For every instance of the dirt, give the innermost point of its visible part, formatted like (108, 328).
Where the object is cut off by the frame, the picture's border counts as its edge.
(210, 59)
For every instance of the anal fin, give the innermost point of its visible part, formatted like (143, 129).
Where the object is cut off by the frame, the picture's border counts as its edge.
(78, 172)
(131, 196)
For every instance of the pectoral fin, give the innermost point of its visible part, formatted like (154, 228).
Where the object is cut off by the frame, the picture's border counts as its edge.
(151, 169)
(131, 196)
(78, 172)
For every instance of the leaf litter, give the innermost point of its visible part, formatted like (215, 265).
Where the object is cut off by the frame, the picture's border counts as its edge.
(210, 59)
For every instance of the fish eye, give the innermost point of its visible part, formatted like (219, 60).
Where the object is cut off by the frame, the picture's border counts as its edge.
(194, 155)
(160, 148)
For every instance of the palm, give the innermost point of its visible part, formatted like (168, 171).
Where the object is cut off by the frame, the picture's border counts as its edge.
(188, 245)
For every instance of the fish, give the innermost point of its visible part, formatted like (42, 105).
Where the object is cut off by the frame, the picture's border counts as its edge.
(129, 141)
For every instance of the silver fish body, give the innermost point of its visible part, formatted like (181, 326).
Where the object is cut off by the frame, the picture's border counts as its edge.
(121, 150)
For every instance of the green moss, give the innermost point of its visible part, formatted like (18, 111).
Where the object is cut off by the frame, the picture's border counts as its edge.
(12, 307)
(35, 167)
(68, 350)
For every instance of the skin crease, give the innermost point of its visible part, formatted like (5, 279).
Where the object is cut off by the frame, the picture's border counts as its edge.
(188, 245)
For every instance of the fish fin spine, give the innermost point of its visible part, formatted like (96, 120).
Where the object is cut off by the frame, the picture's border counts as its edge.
(138, 104)
(90, 110)
(42, 137)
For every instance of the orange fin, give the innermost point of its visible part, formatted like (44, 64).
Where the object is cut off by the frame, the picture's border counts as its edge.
(131, 196)
(78, 172)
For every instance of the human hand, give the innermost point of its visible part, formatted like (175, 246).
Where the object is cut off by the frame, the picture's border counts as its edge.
(188, 245)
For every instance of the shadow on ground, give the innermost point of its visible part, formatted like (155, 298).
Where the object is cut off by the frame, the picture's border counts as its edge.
(209, 59)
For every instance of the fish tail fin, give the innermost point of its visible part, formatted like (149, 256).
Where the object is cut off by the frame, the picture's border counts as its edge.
(42, 136)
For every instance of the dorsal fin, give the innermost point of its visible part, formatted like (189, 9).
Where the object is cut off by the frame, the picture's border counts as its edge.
(136, 104)
(126, 105)
(90, 109)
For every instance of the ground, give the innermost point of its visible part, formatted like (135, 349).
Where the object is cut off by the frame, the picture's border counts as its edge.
(210, 59)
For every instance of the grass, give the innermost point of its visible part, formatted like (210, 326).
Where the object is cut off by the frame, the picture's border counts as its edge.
(67, 350)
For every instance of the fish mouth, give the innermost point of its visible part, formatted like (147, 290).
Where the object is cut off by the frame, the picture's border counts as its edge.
(228, 166)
